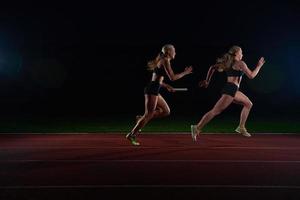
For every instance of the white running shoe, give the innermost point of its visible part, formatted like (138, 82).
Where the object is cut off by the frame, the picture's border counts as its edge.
(243, 131)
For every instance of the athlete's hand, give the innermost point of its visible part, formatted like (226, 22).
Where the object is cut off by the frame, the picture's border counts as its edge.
(261, 62)
(170, 88)
(188, 70)
(203, 83)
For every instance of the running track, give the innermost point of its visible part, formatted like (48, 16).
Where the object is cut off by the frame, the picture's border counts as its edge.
(166, 166)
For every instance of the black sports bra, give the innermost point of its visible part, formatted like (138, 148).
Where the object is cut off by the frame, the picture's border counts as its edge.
(159, 71)
(233, 72)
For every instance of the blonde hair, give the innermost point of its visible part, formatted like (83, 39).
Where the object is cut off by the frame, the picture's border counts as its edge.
(225, 62)
(152, 64)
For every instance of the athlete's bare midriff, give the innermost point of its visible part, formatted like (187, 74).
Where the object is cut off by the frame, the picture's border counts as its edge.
(234, 80)
(158, 78)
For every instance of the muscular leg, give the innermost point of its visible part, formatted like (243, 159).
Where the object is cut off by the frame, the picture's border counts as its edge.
(222, 104)
(242, 99)
(162, 108)
(150, 106)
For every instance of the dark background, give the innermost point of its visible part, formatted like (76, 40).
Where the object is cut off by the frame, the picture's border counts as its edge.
(89, 59)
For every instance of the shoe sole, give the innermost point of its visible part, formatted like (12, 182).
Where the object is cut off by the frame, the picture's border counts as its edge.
(243, 134)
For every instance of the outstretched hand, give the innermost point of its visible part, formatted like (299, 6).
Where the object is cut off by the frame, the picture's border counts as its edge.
(188, 70)
(261, 61)
(203, 83)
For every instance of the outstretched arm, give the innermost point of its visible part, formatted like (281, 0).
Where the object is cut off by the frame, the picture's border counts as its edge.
(252, 74)
(172, 76)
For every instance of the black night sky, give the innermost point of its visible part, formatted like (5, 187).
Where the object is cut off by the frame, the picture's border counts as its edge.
(88, 59)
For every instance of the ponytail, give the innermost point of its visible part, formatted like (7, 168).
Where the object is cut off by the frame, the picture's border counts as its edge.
(152, 64)
(225, 62)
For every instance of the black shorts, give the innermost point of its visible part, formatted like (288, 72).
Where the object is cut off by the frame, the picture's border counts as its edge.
(152, 88)
(230, 89)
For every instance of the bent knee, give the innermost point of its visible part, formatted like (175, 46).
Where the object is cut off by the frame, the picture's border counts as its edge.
(164, 111)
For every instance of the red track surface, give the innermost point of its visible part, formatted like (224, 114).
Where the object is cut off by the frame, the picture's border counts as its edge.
(266, 164)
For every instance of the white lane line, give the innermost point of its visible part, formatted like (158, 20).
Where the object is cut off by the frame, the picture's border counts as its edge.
(153, 147)
(157, 161)
(151, 186)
